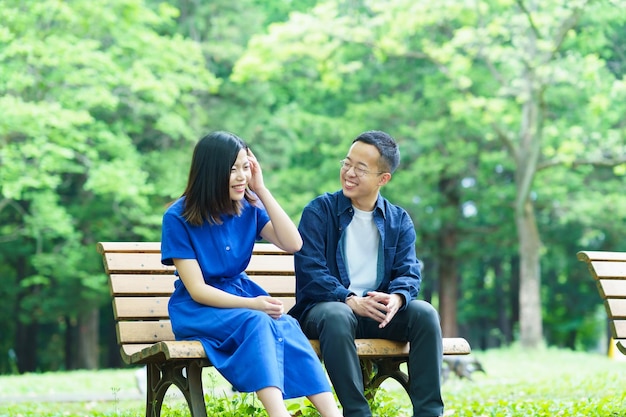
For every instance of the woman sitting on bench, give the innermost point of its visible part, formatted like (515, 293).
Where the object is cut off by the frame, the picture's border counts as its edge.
(209, 234)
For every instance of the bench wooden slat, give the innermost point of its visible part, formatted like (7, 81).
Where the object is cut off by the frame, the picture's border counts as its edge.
(608, 269)
(163, 351)
(155, 308)
(140, 263)
(612, 288)
(366, 348)
(279, 285)
(589, 256)
(616, 308)
(455, 346)
(268, 249)
(271, 264)
(107, 247)
(140, 308)
(144, 331)
(288, 302)
(618, 327)
(154, 285)
(150, 263)
(381, 348)
(163, 285)
(130, 349)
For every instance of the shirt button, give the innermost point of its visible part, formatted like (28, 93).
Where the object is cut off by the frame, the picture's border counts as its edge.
(227, 247)
(280, 339)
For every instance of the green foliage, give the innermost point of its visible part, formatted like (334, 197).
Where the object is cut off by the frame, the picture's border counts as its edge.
(487, 103)
(384, 404)
(102, 101)
(88, 90)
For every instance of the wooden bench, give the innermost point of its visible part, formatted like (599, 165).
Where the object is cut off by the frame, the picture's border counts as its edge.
(140, 287)
(609, 271)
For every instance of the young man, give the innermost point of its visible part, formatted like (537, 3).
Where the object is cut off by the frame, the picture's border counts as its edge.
(357, 276)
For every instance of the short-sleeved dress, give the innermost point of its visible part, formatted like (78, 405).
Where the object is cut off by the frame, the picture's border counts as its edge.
(248, 347)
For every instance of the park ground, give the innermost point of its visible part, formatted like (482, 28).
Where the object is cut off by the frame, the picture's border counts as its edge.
(545, 382)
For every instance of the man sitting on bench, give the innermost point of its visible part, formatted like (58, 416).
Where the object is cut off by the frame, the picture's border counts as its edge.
(357, 276)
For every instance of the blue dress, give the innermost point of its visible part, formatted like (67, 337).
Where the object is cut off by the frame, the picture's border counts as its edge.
(248, 347)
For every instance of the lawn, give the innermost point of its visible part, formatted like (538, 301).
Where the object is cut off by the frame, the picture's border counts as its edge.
(548, 382)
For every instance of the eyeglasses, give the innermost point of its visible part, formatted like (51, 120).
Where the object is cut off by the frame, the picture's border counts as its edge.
(359, 172)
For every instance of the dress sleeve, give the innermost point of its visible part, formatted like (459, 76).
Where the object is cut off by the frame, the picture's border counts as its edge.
(175, 239)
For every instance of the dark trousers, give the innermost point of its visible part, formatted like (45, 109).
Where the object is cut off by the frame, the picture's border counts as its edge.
(336, 327)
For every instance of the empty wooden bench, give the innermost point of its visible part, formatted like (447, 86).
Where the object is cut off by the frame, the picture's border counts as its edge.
(609, 271)
(140, 287)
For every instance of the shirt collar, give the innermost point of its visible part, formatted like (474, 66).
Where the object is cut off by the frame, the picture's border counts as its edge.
(344, 204)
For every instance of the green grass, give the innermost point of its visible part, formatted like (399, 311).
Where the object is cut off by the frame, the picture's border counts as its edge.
(548, 382)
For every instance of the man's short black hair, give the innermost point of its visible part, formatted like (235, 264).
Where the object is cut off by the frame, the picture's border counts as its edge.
(387, 147)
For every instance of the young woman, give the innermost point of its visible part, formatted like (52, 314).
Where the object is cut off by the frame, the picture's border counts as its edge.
(209, 234)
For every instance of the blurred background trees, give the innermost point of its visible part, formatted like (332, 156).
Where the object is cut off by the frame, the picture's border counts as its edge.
(509, 116)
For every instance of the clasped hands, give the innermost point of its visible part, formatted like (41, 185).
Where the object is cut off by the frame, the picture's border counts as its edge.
(378, 306)
(270, 305)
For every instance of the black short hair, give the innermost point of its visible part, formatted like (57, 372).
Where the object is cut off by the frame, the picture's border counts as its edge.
(387, 147)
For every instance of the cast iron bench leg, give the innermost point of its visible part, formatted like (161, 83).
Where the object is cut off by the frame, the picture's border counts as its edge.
(375, 371)
(186, 375)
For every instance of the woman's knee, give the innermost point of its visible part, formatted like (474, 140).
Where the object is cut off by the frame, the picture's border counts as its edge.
(255, 319)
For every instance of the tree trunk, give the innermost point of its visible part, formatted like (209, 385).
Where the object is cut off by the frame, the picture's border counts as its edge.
(448, 285)
(26, 347)
(527, 233)
(447, 265)
(70, 344)
(26, 334)
(88, 352)
(504, 314)
(531, 328)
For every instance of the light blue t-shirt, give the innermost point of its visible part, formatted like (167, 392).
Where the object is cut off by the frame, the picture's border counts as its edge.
(362, 240)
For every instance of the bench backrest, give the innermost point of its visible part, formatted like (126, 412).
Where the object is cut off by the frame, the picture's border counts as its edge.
(609, 271)
(141, 286)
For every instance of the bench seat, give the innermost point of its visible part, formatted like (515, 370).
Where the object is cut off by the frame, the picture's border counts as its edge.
(366, 348)
(140, 287)
(608, 269)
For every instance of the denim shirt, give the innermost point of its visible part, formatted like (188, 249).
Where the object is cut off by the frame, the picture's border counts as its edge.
(321, 272)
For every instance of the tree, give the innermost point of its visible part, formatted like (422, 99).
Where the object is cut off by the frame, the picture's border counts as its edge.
(89, 92)
(527, 52)
(512, 71)
(324, 66)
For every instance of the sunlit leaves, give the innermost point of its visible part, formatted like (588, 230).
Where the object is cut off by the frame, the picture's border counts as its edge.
(88, 90)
